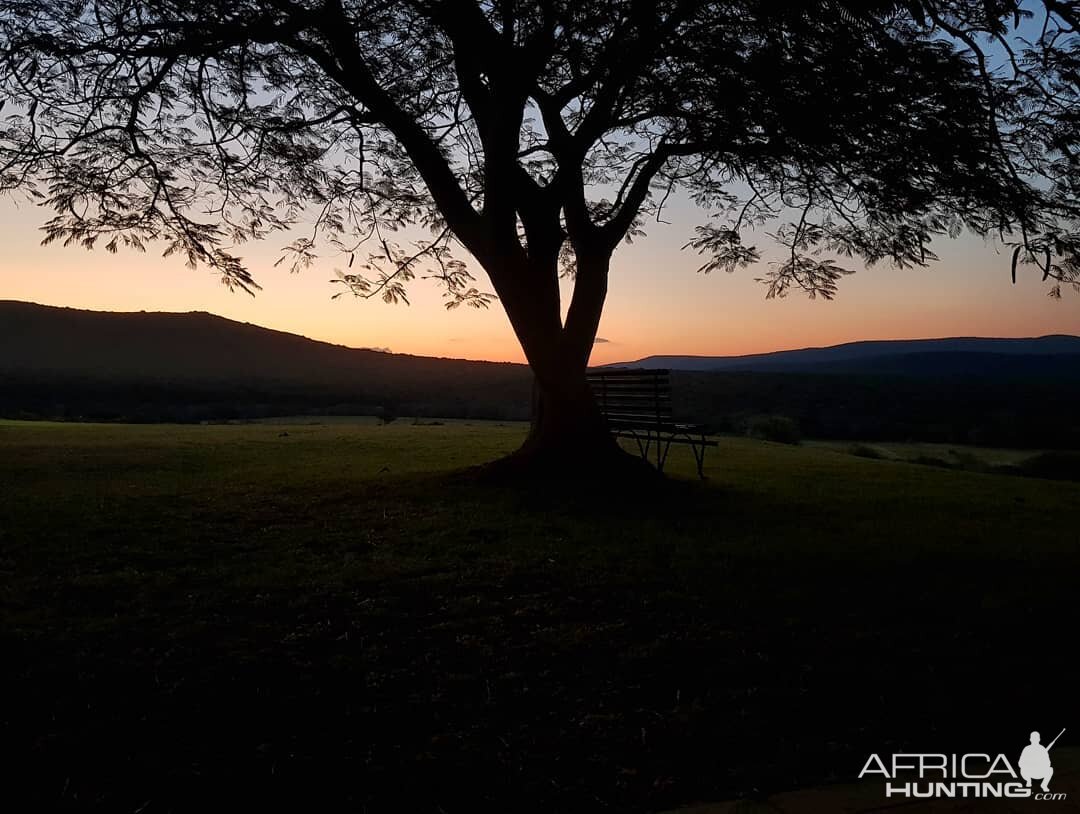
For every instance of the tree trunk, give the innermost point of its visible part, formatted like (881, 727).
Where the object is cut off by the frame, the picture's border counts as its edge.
(565, 418)
(568, 437)
(568, 440)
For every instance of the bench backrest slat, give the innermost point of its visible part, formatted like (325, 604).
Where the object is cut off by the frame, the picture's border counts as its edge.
(633, 398)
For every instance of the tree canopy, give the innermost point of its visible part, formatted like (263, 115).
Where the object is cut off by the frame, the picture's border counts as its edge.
(539, 136)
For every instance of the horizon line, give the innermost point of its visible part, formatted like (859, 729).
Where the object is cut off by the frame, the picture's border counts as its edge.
(4, 301)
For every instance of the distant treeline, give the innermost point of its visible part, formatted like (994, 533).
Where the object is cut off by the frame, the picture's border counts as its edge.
(1031, 413)
(89, 399)
(1021, 413)
(63, 363)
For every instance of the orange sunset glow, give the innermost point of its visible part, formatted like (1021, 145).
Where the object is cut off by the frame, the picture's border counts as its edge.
(657, 303)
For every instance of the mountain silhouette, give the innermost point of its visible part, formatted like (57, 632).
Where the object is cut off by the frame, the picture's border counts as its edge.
(75, 364)
(53, 352)
(1057, 355)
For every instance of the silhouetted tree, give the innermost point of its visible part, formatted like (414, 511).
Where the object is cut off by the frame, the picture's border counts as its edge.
(539, 136)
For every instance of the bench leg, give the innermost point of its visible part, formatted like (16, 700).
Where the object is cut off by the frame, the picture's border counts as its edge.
(699, 457)
(662, 459)
(643, 448)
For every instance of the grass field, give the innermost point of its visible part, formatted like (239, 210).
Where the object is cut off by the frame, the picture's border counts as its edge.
(340, 618)
(952, 454)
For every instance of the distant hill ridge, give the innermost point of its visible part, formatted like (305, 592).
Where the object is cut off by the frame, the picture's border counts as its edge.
(950, 356)
(67, 356)
(199, 346)
(85, 365)
(196, 344)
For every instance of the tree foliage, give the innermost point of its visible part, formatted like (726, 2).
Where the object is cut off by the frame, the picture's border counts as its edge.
(538, 136)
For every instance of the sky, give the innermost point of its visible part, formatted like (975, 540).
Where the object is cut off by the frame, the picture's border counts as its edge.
(657, 303)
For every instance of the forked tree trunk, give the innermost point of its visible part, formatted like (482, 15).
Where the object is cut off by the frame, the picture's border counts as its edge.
(568, 436)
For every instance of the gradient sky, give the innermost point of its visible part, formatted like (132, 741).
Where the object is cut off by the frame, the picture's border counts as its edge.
(657, 304)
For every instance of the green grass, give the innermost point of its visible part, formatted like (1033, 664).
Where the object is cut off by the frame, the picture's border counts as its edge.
(339, 617)
(1047, 464)
(956, 453)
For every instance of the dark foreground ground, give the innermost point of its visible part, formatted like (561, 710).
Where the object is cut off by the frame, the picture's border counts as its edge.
(335, 618)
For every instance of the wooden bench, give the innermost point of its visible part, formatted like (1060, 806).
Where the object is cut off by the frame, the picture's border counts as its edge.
(637, 404)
